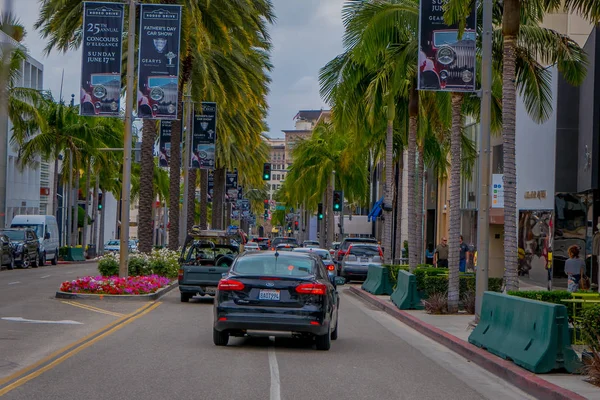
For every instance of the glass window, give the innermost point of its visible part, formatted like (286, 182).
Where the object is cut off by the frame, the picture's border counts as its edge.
(39, 229)
(364, 251)
(15, 235)
(274, 266)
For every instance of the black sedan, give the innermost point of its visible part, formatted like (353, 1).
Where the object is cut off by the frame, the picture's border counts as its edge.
(277, 292)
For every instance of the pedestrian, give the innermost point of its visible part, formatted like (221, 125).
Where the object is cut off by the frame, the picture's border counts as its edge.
(464, 255)
(573, 267)
(429, 252)
(440, 257)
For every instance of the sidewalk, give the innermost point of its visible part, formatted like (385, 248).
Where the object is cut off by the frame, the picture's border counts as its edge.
(453, 332)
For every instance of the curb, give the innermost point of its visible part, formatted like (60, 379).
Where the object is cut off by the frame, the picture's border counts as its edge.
(76, 262)
(117, 297)
(523, 379)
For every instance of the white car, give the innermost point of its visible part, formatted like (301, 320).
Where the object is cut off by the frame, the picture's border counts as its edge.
(251, 246)
(115, 246)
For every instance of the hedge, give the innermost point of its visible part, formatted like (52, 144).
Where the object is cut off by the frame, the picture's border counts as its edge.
(552, 296)
(590, 325)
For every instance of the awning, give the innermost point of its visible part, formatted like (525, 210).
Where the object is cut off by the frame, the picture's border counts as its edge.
(274, 230)
(376, 210)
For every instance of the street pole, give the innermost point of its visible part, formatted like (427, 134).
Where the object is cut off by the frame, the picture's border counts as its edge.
(187, 145)
(70, 212)
(483, 227)
(6, 49)
(126, 191)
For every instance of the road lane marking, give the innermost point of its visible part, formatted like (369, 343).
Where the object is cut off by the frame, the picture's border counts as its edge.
(71, 346)
(13, 283)
(275, 382)
(92, 308)
(39, 321)
(76, 350)
(45, 276)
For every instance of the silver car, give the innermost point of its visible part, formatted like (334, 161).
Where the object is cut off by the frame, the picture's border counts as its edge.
(355, 264)
(324, 254)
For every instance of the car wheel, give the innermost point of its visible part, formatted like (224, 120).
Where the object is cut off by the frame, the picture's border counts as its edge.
(220, 338)
(25, 263)
(43, 259)
(55, 259)
(185, 297)
(33, 261)
(11, 264)
(323, 342)
(334, 333)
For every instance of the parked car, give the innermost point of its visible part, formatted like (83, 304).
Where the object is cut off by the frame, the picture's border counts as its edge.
(46, 230)
(283, 240)
(345, 244)
(206, 255)
(277, 292)
(323, 254)
(6, 253)
(115, 246)
(310, 243)
(25, 246)
(252, 246)
(355, 264)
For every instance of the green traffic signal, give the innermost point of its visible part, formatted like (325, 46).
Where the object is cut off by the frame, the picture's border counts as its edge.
(99, 206)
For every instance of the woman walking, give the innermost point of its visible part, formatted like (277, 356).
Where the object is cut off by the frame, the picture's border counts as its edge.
(573, 268)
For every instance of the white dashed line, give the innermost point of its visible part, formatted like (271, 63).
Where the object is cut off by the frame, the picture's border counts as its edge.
(13, 283)
(274, 367)
(45, 276)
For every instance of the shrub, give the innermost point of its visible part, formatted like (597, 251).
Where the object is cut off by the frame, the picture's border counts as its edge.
(393, 270)
(468, 302)
(592, 368)
(63, 251)
(590, 326)
(138, 264)
(164, 262)
(108, 265)
(436, 303)
(466, 283)
(553, 296)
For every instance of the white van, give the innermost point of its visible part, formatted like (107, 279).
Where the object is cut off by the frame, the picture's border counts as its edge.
(46, 228)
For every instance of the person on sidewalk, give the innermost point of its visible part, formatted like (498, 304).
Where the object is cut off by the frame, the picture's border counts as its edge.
(464, 255)
(429, 254)
(440, 257)
(573, 267)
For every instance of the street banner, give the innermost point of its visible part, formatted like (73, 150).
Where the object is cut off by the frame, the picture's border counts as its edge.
(240, 195)
(211, 185)
(164, 143)
(446, 63)
(231, 186)
(204, 136)
(100, 93)
(158, 69)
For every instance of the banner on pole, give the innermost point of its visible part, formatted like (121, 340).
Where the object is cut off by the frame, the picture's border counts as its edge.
(158, 69)
(100, 93)
(164, 143)
(211, 185)
(204, 136)
(231, 186)
(446, 63)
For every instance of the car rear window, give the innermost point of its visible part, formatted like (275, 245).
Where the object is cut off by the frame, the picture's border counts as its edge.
(349, 242)
(283, 240)
(324, 254)
(364, 251)
(274, 266)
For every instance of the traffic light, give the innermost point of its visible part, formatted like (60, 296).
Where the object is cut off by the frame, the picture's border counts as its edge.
(267, 172)
(266, 205)
(296, 225)
(266, 215)
(338, 200)
(320, 212)
(100, 201)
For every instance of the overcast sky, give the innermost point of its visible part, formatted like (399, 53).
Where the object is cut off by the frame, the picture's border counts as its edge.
(306, 36)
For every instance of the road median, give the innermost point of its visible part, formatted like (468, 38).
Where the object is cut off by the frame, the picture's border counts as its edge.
(119, 297)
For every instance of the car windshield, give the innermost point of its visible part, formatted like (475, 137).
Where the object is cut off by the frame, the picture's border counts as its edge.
(450, 37)
(113, 243)
(39, 229)
(364, 251)
(15, 235)
(348, 243)
(324, 254)
(269, 265)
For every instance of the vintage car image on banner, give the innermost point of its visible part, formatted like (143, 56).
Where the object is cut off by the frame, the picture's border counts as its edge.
(158, 70)
(446, 63)
(100, 92)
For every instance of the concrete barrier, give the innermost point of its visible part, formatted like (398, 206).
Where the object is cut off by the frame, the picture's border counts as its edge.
(378, 280)
(533, 334)
(74, 254)
(406, 296)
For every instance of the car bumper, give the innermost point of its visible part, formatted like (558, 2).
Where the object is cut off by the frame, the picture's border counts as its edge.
(271, 323)
(197, 289)
(355, 272)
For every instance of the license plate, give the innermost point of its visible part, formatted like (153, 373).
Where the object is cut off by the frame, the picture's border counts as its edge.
(210, 290)
(268, 294)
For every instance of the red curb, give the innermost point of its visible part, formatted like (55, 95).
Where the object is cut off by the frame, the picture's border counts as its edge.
(76, 262)
(523, 379)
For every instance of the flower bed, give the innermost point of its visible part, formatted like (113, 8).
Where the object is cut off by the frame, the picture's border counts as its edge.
(133, 285)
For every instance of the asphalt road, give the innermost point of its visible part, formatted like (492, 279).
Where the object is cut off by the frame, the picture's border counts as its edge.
(166, 352)
(34, 324)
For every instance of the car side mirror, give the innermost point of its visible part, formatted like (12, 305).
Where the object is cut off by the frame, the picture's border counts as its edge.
(224, 275)
(340, 280)
(47, 235)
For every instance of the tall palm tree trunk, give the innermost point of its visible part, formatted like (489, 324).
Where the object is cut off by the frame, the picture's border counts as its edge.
(55, 184)
(330, 215)
(175, 181)
(218, 198)
(412, 150)
(419, 201)
(398, 243)
(203, 198)
(147, 196)
(322, 224)
(86, 196)
(388, 194)
(191, 211)
(510, 30)
(101, 238)
(75, 219)
(454, 229)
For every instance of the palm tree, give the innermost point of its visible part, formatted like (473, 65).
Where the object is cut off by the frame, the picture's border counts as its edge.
(147, 196)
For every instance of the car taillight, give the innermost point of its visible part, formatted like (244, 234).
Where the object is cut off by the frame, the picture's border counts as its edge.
(180, 274)
(230, 284)
(331, 267)
(381, 253)
(311, 288)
